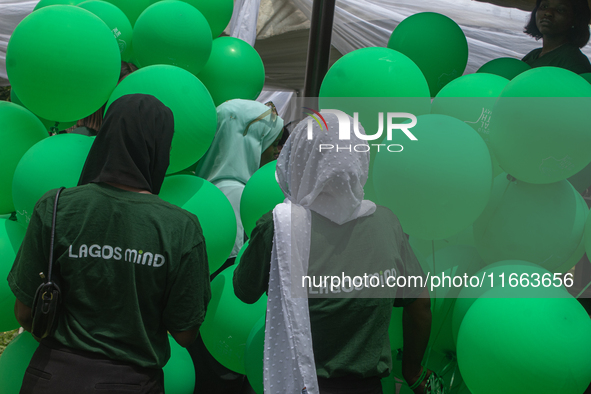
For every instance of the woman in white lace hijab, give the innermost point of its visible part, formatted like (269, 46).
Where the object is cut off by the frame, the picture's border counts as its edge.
(337, 343)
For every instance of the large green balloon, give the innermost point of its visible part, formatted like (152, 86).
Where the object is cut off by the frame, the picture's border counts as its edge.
(20, 130)
(64, 62)
(131, 8)
(117, 22)
(506, 67)
(371, 81)
(229, 321)
(172, 32)
(212, 208)
(436, 44)
(195, 116)
(260, 195)
(539, 131)
(448, 157)
(45, 3)
(218, 13)
(254, 354)
(234, 71)
(50, 126)
(14, 361)
(51, 163)
(179, 372)
(11, 237)
(493, 280)
(525, 345)
(542, 224)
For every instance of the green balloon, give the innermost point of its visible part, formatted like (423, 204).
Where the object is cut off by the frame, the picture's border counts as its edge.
(195, 116)
(212, 208)
(424, 248)
(241, 251)
(525, 345)
(253, 356)
(229, 321)
(132, 9)
(48, 124)
(449, 157)
(172, 32)
(527, 115)
(116, 20)
(14, 361)
(260, 195)
(20, 130)
(49, 164)
(179, 372)
(506, 67)
(11, 237)
(64, 62)
(436, 44)
(450, 261)
(45, 3)
(542, 224)
(218, 13)
(492, 276)
(234, 71)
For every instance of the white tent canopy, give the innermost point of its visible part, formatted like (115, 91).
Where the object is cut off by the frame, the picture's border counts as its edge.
(282, 28)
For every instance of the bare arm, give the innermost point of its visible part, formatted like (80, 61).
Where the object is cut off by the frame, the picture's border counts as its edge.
(416, 328)
(185, 338)
(23, 315)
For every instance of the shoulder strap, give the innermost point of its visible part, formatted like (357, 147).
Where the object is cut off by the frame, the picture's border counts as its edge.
(51, 240)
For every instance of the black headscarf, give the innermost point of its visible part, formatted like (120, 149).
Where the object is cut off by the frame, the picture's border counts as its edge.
(133, 145)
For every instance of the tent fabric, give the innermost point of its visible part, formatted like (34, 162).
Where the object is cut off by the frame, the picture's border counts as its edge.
(283, 25)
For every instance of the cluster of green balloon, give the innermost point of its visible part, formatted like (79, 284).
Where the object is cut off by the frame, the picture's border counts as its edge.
(20, 131)
(471, 99)
(502, 350)
(49, 164)
(64, 62)
(11, 237)
(179, 372)
(132, 9)
(213, 209)
(195, 117)
(48, 124)
(523, 133)
(234, 70)
(260, 195)
(172, 32)
(370, 81)
(542, 224)
(116, 20)
(423, 248)
(14, 361)
(218, 13)
(506, 67)
(254, 355)
(229, 322)
(452, 261)
(436, 44)
(497, 275)
(443, 179)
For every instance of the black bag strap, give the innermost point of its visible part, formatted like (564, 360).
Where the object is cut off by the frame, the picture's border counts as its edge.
(52, 238)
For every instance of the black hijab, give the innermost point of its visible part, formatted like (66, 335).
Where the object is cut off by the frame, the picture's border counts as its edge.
(133, 145)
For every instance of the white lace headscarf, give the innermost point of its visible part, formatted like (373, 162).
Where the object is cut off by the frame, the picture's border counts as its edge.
(330, 183)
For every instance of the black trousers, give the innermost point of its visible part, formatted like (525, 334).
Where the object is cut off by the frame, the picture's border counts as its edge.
(55, 369)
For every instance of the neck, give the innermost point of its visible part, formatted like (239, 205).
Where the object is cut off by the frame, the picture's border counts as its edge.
(128, 188)
(551, 43)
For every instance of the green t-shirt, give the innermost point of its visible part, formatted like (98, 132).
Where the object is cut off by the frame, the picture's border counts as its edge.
(567, 56)
(130, 267)
(349, 334)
